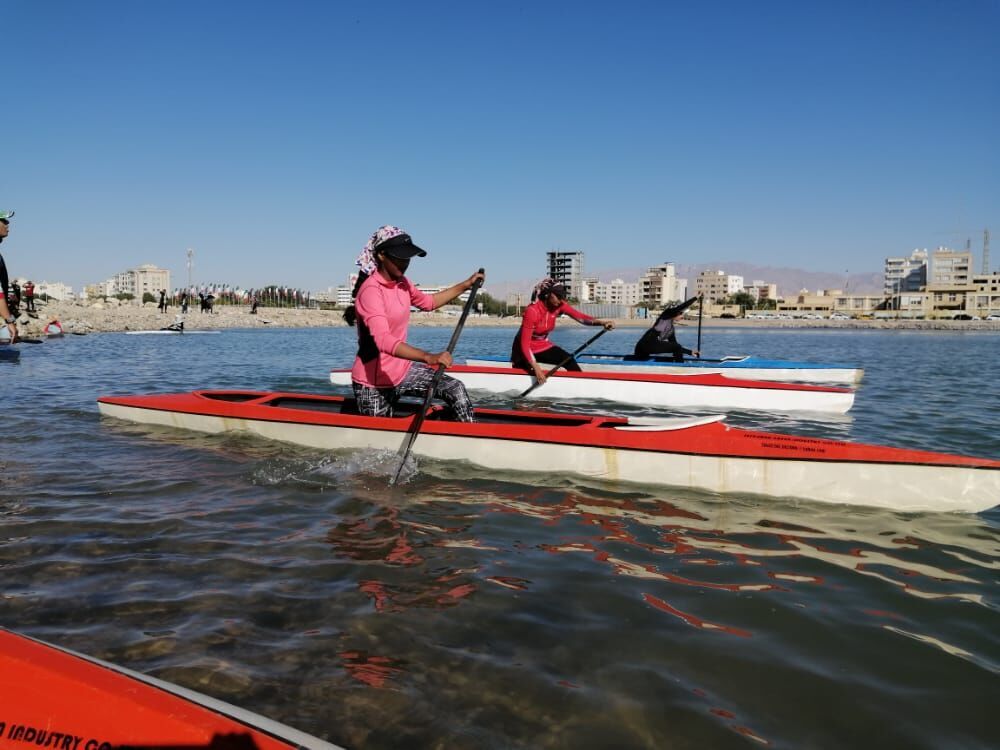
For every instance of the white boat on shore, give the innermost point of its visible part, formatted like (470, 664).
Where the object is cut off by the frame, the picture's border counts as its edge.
(167, 332)
(652, 389)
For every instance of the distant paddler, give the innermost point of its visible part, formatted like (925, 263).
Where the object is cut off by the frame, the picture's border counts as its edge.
(661, 338)
(8, 318)
(177, 325)
(387, 367)
(532, 348)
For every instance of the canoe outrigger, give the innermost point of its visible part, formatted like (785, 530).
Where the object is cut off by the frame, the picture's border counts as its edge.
(652, 389)
(701, 452)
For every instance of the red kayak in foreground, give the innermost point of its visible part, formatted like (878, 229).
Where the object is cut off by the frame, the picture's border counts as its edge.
(55, 698)
(701, 452)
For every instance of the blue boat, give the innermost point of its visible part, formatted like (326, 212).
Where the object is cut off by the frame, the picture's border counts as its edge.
(742, 366)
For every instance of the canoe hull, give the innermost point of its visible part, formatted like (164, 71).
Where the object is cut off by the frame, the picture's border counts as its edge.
(53, 697)
(712, 457)
(750, 368)
(644, 389)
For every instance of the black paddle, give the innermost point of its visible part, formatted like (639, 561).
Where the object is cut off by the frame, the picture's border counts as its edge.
(579, 349)
(418, 422)
(701, 306)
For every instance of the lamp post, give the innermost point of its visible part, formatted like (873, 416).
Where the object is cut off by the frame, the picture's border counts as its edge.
(190, 264)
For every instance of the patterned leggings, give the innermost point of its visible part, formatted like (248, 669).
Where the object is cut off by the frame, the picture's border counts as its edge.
(378, 402)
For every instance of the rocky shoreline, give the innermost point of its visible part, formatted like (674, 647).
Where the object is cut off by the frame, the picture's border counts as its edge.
(111, 316)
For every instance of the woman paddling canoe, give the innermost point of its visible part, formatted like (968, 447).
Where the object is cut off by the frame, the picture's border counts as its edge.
(661, 339)
(387, 367)
(531, 347)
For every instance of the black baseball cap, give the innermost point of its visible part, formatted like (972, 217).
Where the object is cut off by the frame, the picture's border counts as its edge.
(400, 246)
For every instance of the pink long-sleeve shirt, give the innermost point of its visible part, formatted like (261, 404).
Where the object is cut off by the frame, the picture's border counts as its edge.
(383, 309)
(538, 322)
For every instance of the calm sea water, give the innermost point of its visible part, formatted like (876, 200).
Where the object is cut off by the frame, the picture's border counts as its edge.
(471, 610)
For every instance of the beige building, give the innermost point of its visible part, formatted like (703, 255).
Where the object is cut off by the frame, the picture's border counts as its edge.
(823, 302)
(858, 305)
(146, 278)
(985, 298)
(949, 267)
(716, 286)
(660, 286)
(761, 290)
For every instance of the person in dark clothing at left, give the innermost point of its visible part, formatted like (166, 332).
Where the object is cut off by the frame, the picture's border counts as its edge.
(8, 316)
(660, 339)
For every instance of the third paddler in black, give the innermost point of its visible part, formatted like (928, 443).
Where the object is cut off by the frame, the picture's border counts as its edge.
(660, 339)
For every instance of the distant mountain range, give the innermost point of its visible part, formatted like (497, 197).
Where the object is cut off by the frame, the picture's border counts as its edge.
(789, 280)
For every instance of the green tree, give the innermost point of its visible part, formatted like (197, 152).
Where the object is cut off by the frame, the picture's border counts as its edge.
(490, 305)
(124, 296)
(743, 299)
(148, 297)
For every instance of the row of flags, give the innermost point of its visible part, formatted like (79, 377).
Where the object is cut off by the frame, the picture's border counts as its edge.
(269, 296)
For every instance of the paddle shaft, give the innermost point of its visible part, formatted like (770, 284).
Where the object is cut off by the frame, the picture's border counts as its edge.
(579, 349)
(418, 422)
(701, 306)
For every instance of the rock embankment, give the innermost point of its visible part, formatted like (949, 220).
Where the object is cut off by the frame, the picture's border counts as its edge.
(82, 317)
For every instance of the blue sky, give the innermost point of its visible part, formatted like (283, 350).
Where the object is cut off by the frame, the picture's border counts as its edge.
(274, 138)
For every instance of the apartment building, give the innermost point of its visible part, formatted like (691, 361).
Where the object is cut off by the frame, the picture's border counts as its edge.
(716, 286)
(567, 269)
(761, 290)
(135, 281)
(660, 286)
(949, 267)
(905, 274)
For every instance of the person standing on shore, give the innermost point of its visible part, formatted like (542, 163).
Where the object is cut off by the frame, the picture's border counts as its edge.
(163, 301)
(29, 296)
(387, 367)
(531, 347)
(8, 317)
(661, 339)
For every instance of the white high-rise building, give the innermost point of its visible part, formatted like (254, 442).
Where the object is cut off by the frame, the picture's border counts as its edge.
(905, 274)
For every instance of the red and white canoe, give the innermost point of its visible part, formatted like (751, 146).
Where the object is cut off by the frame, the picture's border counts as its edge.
(652, 389)
(702, 452)
(52, 697)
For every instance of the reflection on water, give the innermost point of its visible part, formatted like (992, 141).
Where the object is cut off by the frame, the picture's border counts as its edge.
(466, 610)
